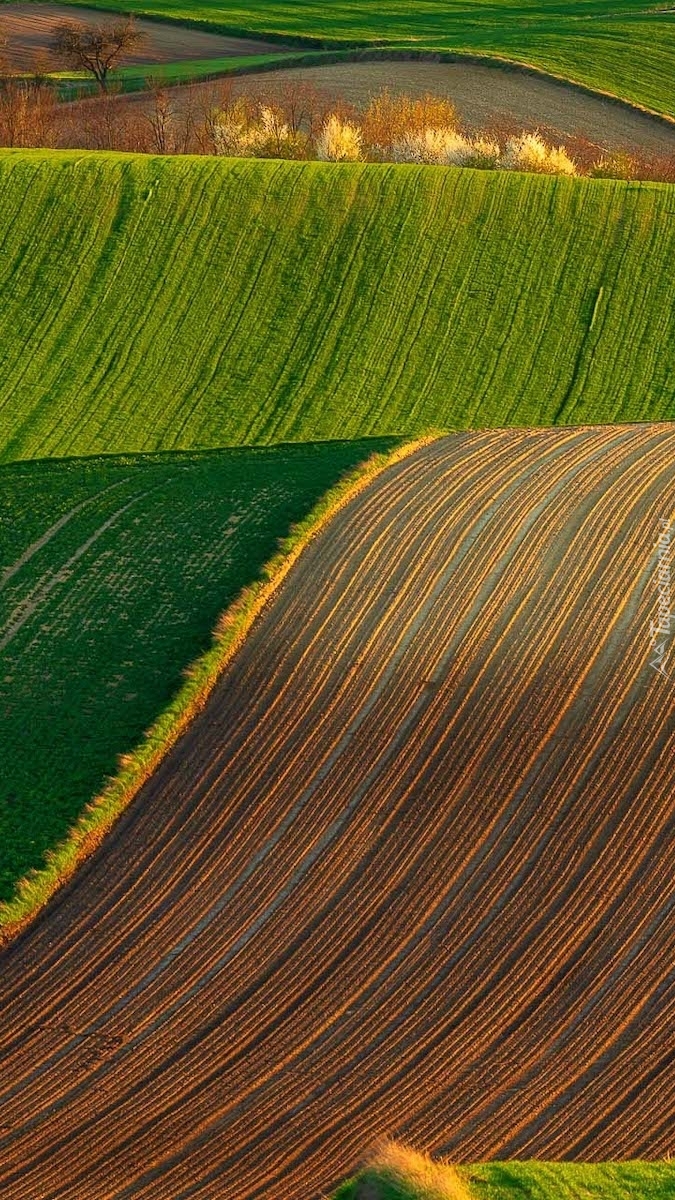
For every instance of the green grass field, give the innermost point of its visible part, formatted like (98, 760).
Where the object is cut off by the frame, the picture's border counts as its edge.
(525, 1181)
(193, 303)
(136, 78)
(113, 572)
(626, 48)
(571, 1181)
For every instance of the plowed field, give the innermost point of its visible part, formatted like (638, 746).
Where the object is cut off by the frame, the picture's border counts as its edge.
(410, 871)
(29, 30)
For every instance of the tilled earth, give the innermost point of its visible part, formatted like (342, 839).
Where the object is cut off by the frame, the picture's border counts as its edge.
(409, 871)
(28, 29)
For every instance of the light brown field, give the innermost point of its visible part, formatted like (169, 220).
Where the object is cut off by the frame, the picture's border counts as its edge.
(485, 96)
(409, 872)
(28, 29)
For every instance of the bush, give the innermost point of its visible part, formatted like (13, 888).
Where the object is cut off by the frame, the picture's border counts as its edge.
(529, 152)
(484, 154)
(445, 147)
(238, 133)
(391, 119)
(615, 166)
(439, 146)
(339, 141)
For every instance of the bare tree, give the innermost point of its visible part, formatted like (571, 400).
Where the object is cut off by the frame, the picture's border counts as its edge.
(161, 119)
(97, 49)
(27, 114)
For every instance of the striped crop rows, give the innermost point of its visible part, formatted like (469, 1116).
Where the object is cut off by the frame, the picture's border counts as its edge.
(181, 303)
(409, 872)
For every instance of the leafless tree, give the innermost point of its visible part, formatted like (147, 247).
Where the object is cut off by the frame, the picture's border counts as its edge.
(27, 113)
(161, 119)
(97, 49)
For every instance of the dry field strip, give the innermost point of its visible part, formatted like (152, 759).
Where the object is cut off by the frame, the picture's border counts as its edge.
(409, 872)
(482, 96)
(28, 31)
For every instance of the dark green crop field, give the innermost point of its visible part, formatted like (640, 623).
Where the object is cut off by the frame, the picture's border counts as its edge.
(627, 48)
(192, 303)
(113, 573)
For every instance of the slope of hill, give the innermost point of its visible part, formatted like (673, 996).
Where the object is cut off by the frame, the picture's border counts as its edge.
(114, 572)
(627, 48)
(182, 303)
(409, 870)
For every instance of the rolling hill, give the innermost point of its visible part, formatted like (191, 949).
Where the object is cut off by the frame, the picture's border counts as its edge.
(192, 303)
(408, 871)
(626, 48)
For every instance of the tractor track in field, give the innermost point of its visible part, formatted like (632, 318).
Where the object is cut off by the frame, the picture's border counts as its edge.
(409, 872)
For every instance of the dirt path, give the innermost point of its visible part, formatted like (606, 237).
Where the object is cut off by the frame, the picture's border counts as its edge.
(486, 95)
(409, 871)
(28, 28)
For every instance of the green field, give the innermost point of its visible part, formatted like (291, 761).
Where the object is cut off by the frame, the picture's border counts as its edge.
(113, 572)
(192, 303)
(571, 1181)
(166, 74)
(627, 48)
(530, 1181)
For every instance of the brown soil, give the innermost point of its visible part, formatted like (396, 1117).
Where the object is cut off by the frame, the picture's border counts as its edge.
(409, 871)
(28, 29)
(486, 96)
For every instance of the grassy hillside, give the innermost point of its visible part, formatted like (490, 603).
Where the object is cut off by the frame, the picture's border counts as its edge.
(627, 48)
(114, 572)
(182, 303)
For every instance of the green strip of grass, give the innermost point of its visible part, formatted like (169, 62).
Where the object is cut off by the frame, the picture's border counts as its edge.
(627, 48)
(571, 1181)
(173, 303)
(528, 1181)
(113, 573)
(107, 612)
(132, 79)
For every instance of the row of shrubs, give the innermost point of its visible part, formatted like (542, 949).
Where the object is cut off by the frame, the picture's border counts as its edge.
(290, 118)
(393, 129)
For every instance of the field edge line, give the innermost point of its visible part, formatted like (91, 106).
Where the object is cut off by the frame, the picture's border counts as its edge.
(34, 891)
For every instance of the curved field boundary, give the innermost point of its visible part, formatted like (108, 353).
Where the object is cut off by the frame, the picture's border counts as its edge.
(626, 52)
(513, 65)
(37, 888)
(205, 72)
(409, 871)
(404, 54)
(98, 616)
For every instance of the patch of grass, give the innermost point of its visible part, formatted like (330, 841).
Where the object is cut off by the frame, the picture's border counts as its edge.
(626, 48)
(136, 78)
(135, 582)
(181, 303)
(571, 1181)
(113, 573)
(394, 1172)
